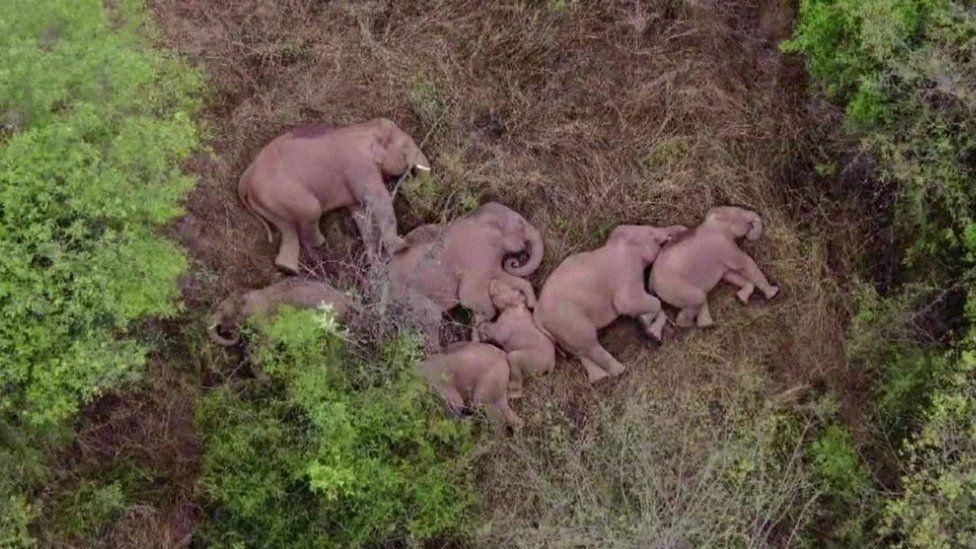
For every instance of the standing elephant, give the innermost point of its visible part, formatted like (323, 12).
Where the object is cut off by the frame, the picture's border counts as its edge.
(589, 290)
(443, 266)
(316, 169)
(233, 311)
(687, 269)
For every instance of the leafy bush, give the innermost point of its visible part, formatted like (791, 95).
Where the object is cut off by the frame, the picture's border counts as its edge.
(330, 451)
(937, 506)
(904, 70)
(93, 126)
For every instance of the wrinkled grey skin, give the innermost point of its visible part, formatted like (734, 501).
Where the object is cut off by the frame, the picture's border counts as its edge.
(476, 372)
(446, 265)
(316, 169)
(589, 290)
(687, 269)
(232, 312)
(529, 350)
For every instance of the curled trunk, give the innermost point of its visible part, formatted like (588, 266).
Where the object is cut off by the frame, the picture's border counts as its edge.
(535, 249)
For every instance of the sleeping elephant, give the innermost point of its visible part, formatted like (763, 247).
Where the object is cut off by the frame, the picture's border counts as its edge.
(236, 309)
(316, 169)
(687, 269)
(476, 372)
(589, 290)
(446, 265)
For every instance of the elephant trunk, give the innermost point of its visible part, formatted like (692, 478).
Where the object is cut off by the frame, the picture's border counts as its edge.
(535, 248)
(214, 332)
(755, 227)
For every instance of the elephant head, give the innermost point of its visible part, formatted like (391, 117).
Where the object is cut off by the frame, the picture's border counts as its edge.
(395, 152)
(738, 222)
(505, 297)
(228, 317)
(645, 238)
(518, 237)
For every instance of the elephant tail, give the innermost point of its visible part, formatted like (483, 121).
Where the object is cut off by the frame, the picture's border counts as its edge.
(245, 197)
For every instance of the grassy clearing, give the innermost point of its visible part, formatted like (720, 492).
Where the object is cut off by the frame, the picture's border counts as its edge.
(581, 115)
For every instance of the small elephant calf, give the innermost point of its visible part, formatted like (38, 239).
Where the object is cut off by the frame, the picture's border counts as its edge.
(530, 350)
(478, 371)
(233, 311)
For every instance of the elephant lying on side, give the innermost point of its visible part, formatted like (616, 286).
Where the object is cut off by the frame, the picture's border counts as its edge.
(233, 311)
(477, 371)
(315, 169)
(447, 265)
(687, 269)
(529, 350)
(589, 290)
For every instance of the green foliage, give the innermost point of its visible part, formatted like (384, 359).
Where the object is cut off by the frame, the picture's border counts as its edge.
(937, 506)
(330, 451)
(904, 70)
(93, 126)
(837, 465)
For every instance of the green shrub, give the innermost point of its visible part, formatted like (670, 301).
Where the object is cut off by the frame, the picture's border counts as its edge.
(903, 70)
(330, 451)
(937, 505)
(93, 126)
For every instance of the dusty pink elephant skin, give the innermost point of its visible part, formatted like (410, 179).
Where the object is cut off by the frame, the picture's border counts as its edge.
(589, 290)
(309, 171)
(473, 372)
(529, 350)
(687, 269)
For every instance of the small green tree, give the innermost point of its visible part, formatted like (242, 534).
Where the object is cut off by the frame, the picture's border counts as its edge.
(331, 451)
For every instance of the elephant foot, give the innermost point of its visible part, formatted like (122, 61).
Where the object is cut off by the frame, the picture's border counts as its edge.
(515, 392)
(596, 375)
(287, 268)
(771, 292)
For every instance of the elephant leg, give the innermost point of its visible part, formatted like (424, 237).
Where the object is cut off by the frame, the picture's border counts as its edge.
(634, 301)
(605, 360)
(745, 287)
(508, 414)
(311, 233)
(753, 274)
(453, 399)
(654, 325)
(686, 317)
(594, 373)
(704, 318)
(288, 251)
(517, 362)
(426, 316)
(371, 237)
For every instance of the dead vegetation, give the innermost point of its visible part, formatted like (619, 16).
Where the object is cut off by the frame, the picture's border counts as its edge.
(581, 115)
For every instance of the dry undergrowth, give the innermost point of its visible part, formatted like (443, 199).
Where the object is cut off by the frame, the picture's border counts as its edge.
(581, 115)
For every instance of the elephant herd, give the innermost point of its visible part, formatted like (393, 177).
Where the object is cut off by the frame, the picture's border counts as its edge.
(480, 261)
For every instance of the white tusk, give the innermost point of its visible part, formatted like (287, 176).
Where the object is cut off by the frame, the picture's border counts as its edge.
(213, 326)
(422, 167)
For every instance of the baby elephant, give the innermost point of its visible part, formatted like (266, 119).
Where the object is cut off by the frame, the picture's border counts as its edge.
(687, 269)
(233, 311)
(589, 290)
(530, 351)
(315, 169)
(477, 371)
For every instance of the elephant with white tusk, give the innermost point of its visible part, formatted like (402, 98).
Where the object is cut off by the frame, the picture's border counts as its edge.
(687, 269)
(316, 169)
(589, 290)
(446, 265)
(232, 312)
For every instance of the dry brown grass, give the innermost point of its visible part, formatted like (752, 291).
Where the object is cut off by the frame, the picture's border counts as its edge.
(581, 115)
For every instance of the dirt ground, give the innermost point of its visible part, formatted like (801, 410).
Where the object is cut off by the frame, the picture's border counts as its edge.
(581, 115)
